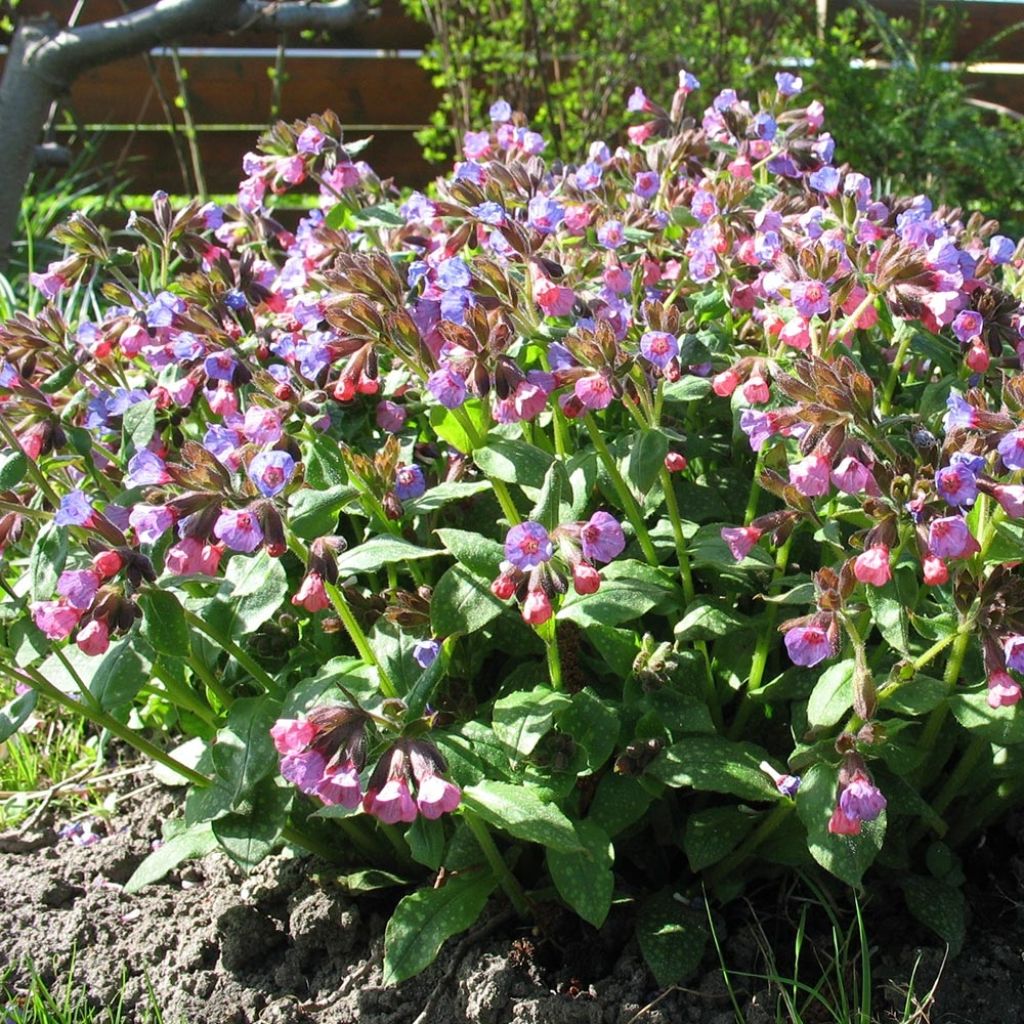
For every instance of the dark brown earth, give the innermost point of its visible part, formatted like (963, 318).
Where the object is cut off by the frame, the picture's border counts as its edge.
(285, 946)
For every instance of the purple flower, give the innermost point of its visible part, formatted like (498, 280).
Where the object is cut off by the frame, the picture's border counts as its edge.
(339, 785)
(500, 111)
(602, 538)
(808, 645)
(262, 426)
(703, 206)
(949, 537)
(702, 265)
(588, 177)
(611, 234)
(659, 348)
(311, 140)
(239, 529)
(810, 298)
(74, 510)
(811, 476)
(956, 485)
(726, 99)
(270, 471)
(453, 273)
(477, 145)
(425, 652)
(764, 126)
(825, 180)
(638, 103)
(146, 470)
(544, 214)
(78, 587)
(861, 800)
(1013, 648)
(1011, 449)
(390, 416)
(788, 84)
(150, 522)
(447, 387)
(409, 483)
(740, 540)
(161, 312)
(489, 212)
(528, 544)
(220, 365)
(594, 391)
(962, 414)
(973, 463)
(757, 426)
(967, 325)
(304, 769)
(647, 184)
(1001, 249)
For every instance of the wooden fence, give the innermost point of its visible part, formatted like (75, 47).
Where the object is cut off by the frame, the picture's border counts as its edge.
(368, 74)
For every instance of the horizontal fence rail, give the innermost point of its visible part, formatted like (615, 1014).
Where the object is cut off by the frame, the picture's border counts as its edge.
(368, 74)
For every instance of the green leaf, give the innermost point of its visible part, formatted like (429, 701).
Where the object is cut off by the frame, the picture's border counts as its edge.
(46, 561)
(314, 513)
(139, 424)
(715, 764)
(847, 857)
(423, 920)
(629, 589)
(1004, 726)
(555, 491)
(832, 695)
(253, 590)
(383, 215)
(448, 426)
(444, 494)
(521, 812)
(13, 467)
(378, 552)
(522, 719)
(513, 461)
(619, 802)
(618, 647)
(593, 724)
(120, 675)
(422, 691)
(938, 906)
(426, 841)
(196, 841)
(917, 697)
(163, 624)
(243, 752)
(687, 389)
(478, 554)
(1007, 545)
(59, 379)
(713, 834)
(370, 880)
(462, 603)
(585, 880)
(325, 468)
(251, 837)
(707, 619)
(889, 612)
(16, 713)
(672, 937)
(646, 459)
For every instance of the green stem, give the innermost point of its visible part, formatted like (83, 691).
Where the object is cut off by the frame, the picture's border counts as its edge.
(181, 695)
(358, 637)
(629, 505)
(933, 726)
(685, 573)
(501, 491)
(104, 721)
(506, 879)
(755, 493)
(265, 681)
(779, 814)
(549, 634)
(894, 371)
(210, 681)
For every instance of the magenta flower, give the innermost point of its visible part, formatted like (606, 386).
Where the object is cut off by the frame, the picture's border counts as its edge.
(956, 485)
(807, 645)
(594, 391)
(312, 595)
(537, 608)
(55, 618)
(851, 476)
(78, 587)
(1003, 690)
(340, 786)
(861, 799)
(602, 538)
(270, 471)
(436, 796)
(949, 537)
(659, 348)
(740, 539)
(239, 529)
(192, 557)
(611, 234)
(872, 566)
(391, 804)
(647, 184)
(447, 387)
(528, 544)
(292, 735)
(811, 476)
(94, 638)
(150, 522)
(810, 298)
(1011, 449)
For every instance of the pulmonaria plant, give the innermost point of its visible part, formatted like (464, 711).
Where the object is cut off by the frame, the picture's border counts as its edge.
(683, 483)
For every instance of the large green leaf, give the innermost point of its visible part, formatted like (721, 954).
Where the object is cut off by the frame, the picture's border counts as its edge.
(938, 906)
(314, 513)
(628, 590)
(917, 697)
(522, 719)
(138, 425)
(889, 613)
(555, 497)
(163, 623)
(448, 425)
(513, 461)
(478, 554)
(687, 389)
(1004, 726)
(462, 603)
(646, 459)
(250, 837)
(585, 880)
(832, 695)
(16, 713)
(709, 618)
(672, 937)
(46, 561)
(713, 834)
(521, 812)
(185, 844)
(13, 467)
(847, 857)
(620, 801)
(424, 919)
(243, 752)
(378, 552)
(120, 674)
(715, 764)
(593, 724)
(444, 494)
(253, 590)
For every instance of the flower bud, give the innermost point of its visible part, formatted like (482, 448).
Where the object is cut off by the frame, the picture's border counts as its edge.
(537, 608)
(934, 571)
(585, 579)
(675, 462)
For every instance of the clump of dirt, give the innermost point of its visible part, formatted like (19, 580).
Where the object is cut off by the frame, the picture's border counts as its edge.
(286, 946)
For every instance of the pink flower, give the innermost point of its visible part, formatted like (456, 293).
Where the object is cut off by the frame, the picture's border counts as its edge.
(841, 825)
(872, 566)
(585, 579)
(741, 540)
(851, 476)
(78, 587)
(934, 571)
(537, 608)
(393, 803)
(811, 476)
(553, 299)
(1003, 690)
(724, 384)
(340, 785)
(292, 735)
(191, 557)
(675, 462)
(949, 537)
(55, 618)
(594, 391)
(311, 595)
(436, 796)
(1011, 497)
(94, 638)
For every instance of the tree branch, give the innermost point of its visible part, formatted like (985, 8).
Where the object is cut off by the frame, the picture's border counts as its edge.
(301, 15)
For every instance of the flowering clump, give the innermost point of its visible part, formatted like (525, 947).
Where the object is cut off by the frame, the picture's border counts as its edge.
(475, 513)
